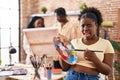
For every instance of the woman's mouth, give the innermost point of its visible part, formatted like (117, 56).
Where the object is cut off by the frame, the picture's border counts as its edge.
(86, 34)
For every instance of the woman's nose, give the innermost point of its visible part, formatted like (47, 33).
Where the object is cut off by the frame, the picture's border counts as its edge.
(85, 27)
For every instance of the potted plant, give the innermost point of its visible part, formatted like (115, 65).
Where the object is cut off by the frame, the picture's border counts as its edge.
(107, 23)
(0, 61)
(116, 64)
(115, 45)
(83, 6)
(43, 9)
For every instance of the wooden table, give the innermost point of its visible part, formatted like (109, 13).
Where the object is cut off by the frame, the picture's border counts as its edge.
(30, 74)
(30, 77)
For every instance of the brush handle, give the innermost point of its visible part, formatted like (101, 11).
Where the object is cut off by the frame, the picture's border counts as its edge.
(84, 50)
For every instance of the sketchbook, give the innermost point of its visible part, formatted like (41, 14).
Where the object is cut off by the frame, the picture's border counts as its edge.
(41, 40)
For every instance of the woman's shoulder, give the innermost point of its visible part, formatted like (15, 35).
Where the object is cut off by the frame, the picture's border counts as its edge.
(105, 41)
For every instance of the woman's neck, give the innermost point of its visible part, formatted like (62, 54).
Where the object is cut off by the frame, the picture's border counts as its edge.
(90, 41)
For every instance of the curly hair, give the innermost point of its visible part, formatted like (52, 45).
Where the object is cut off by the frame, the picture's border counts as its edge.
(92, 13)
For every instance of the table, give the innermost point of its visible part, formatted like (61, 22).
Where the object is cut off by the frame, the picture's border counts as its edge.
(30, 74)
(29, 77)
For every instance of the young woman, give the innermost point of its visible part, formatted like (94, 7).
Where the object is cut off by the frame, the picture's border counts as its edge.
(36, 22)
(90, 62)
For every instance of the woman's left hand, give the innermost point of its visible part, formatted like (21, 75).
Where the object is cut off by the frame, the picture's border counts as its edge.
(89, 55)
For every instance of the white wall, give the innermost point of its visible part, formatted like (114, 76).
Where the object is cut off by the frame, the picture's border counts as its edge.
(9, 24)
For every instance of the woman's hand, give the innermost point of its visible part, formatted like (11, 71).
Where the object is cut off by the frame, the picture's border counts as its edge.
(62, 39)
(89, 55)
(60, 47)
(105, 66)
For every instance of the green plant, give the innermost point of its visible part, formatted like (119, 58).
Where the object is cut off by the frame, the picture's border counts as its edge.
(83, 6)
(0, 61)
(43, 9)
(115, 45)
(117, 79)
(117, 66)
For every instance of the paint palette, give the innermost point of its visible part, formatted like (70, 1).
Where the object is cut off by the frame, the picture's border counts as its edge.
(66, 53)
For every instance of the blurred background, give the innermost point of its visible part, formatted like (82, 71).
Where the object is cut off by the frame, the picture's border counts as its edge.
(16, 14)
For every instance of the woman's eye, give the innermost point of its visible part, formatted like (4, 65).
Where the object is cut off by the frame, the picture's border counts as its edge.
(89, 25)
(81, 26)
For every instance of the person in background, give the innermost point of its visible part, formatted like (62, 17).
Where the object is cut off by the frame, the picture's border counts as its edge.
(67, 29)
(90, 63)
(36, 22)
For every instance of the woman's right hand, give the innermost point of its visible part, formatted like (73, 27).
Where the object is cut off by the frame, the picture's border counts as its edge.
(61, 38)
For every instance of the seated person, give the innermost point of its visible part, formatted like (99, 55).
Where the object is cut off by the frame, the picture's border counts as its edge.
(90, 62)
(36, 22)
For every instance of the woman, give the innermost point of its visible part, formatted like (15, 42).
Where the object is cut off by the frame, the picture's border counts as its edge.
(90, 63)
(36, 22)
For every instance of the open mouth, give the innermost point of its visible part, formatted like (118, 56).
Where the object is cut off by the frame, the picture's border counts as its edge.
(86, 34)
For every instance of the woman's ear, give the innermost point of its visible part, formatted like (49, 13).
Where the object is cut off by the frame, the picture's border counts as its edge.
(96, 25)
(97, 29)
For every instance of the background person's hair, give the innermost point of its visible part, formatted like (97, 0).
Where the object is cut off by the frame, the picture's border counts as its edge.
(60, 11)
(31, 23)
(94, 14)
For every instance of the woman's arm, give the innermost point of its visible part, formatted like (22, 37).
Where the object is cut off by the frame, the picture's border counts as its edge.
(65, 66)
(104, 67)
(60, 39)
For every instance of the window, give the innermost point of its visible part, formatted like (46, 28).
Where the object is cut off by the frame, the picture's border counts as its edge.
(9, 29)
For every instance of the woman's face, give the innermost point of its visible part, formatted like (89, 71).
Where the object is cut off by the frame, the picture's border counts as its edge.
(61, 18)
(38, 23)
(88, 28)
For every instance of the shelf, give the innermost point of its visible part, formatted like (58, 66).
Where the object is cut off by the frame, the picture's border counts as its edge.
(69, 13)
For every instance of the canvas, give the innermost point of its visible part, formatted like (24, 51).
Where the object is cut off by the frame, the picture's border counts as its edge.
(41, 40)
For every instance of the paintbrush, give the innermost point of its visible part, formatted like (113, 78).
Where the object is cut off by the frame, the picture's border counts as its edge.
(83, 50)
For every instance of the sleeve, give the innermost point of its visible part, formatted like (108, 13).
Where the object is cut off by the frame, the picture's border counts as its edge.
(74, 42)
(26, 46)
(109, 47)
